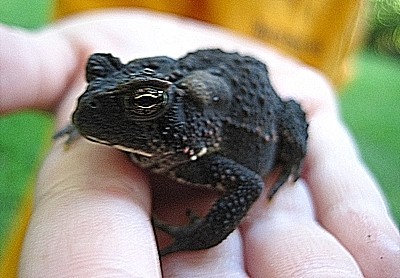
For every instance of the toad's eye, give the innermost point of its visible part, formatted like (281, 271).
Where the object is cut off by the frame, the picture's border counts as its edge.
(146, 103)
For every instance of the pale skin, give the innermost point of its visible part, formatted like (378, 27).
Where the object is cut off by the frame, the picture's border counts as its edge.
(93, 207)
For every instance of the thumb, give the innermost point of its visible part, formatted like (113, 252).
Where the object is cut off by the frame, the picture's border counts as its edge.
(91, 217)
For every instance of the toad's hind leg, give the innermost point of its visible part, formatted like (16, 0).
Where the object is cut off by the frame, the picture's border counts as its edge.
(243, 187)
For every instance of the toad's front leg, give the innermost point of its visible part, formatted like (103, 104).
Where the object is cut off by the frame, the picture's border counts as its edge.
(243, 187)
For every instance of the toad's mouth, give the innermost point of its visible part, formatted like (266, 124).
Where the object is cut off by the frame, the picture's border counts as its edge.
(119, 147)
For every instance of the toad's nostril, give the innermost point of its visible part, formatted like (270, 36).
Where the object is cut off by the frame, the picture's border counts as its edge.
(94, 104)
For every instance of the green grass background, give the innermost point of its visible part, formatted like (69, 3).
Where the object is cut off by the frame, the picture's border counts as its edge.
(370, 106)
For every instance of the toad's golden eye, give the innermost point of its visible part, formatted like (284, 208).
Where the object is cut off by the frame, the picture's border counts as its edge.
(146, 103)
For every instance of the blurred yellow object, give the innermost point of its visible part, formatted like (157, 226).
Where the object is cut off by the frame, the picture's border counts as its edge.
(10, 254)
(320, 33)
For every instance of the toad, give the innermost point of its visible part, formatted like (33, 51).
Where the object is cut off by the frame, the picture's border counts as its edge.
(209, 119)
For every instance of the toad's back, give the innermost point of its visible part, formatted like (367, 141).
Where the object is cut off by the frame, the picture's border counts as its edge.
(251, 106)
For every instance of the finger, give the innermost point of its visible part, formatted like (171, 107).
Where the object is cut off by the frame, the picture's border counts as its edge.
(35, 68)
(282, 239)
(343, 190)
(348, 201)
(224, 260)
(91, 217)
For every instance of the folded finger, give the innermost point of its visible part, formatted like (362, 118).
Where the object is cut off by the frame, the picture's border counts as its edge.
(348, 201)
(284, 240)
(36, 68)
(223, 260)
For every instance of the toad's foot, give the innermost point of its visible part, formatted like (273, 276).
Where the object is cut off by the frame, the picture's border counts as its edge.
(70, 131)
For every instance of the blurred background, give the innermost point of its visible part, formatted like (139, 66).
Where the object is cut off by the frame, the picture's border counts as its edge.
(370, 106)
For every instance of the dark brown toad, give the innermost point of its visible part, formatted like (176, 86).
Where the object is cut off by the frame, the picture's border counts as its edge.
(210, 119)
